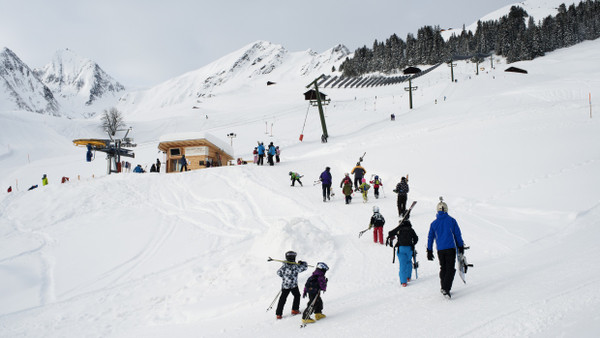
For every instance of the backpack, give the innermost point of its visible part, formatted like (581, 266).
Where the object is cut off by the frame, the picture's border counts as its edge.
(312, 284)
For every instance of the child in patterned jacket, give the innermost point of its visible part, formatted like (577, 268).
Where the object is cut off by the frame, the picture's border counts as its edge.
(289, 274)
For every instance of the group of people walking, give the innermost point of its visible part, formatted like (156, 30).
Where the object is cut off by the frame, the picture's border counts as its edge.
(272, 152)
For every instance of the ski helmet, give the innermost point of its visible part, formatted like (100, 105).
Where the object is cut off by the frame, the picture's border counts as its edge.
(290, 256)
(442, 207)
(322, 266)
(376, 177)
(290, 173)
(375, 208)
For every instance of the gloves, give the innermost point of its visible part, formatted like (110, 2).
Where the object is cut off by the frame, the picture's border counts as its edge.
(302, 263)
(304, 295)
(388, 241)
(461, 250)
(429, 255)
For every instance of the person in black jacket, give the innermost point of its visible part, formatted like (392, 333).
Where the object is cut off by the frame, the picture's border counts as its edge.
(402, 191)
(407, 238)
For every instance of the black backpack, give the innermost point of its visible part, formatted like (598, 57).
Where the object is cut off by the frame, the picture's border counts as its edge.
(312, 284)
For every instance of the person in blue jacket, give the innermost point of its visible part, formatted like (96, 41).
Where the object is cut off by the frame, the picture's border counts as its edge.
(325, 179)
(261, 153)
(271, 153)
(448, 239)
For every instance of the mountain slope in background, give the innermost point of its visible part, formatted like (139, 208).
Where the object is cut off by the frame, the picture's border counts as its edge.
(20, 89)
(80, 85)
(252, 65)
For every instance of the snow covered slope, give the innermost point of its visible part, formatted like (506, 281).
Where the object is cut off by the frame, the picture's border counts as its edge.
(80, 84)
(154, 255)
(20, 89)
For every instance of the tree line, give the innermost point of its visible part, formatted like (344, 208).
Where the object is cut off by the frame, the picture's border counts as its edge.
(516, 36)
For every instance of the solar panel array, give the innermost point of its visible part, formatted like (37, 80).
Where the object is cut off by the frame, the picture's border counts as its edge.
(335, 81)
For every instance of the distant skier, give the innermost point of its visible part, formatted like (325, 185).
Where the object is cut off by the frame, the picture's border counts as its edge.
(376, 182)
(448, 239)
(261, 153)
(346, 186)
(325, 179)
(405, 245)
(359, 172)
(157, 165)
(294, 176)
(184, 163)
(315, 283)
(364, 190)
(255, 153)
(289, 275)
(402, 191)
(44, 180)
(277, 154)
(271, 153)
(377, 222)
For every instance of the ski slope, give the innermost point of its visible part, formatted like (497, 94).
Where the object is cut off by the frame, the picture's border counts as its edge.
(515, 156)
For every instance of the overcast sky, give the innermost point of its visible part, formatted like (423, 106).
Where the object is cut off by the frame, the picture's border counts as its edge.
(144, 42)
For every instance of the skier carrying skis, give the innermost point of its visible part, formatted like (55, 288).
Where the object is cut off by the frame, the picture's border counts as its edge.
(402, 191)
(325, 179)
(315, 283)
(359, 172)
(295, 177)
(346, 186)
(289, 275)
(377, 222)
(376, 182)
(448, 239)
(405, 245)
(364, 190)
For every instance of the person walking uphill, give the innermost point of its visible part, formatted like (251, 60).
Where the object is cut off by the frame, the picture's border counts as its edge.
(315, 283)
(448, 239)
(359, 172)
(402, 191)
(407, 238)
(289, 275)
(346, 186)
(377, 222)
(325, 179)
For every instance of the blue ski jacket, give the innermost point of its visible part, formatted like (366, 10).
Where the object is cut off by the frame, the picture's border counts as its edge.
(445, 231)
(261, 149)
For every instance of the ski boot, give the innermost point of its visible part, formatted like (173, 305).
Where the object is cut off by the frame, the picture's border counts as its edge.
(319, 316)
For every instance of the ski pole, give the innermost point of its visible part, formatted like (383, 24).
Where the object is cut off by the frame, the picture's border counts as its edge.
(363, 231)
(282, 261)
(274, 300)
(310, 308)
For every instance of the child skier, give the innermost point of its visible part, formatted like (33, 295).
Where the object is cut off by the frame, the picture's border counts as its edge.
(315, 283)
(346, 186)
(407, 238)
(295, 177)
(377, 222)
(376, 182)
(289, 275)
(364, 189)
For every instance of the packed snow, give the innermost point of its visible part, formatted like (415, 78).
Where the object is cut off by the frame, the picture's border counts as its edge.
(515, 156)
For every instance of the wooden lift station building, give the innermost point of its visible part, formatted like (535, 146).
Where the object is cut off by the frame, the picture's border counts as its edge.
(201, 150)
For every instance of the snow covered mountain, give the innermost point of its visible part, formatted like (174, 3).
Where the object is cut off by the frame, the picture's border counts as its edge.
(252, 65)
(21, 89)
(80, 85)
